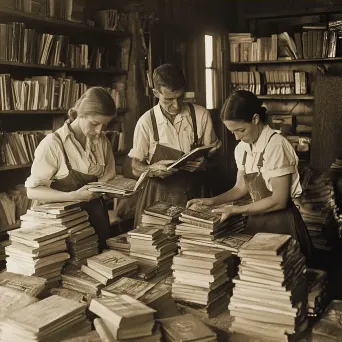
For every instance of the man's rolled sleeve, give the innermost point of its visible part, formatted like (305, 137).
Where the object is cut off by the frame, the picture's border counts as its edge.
(141, 141)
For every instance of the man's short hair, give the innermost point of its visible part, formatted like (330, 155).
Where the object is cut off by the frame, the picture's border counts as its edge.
(168, 76)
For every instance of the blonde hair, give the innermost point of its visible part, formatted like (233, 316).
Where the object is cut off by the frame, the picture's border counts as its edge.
(95, 101)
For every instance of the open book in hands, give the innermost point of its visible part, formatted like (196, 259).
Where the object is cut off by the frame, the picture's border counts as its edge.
(191, 158)
(120, 186)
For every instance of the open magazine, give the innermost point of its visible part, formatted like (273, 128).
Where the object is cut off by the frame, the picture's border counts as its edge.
(201, 151)
(120, 186)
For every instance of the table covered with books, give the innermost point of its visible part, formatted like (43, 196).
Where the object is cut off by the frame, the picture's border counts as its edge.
(182, 275)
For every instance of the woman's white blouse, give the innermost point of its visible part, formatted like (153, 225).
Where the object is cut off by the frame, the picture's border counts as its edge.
(49, 162)
(279, 159)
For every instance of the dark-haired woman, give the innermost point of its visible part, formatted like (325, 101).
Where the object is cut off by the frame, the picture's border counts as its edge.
(267, 170)
(76, 154)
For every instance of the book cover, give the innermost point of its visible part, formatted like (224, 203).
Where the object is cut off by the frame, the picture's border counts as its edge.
(132, 287)
(186, 328)
(57, 207)
(164, 209)
(265, 244)
(201, 151)
(200, 216)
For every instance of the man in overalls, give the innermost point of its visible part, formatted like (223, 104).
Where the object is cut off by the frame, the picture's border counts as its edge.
(164, 133)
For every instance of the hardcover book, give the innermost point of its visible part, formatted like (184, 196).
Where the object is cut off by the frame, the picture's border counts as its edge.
(164, 210)
(57, 207)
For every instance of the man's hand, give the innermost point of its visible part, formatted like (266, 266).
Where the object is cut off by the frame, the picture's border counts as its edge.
(159, 169)
(198, 164)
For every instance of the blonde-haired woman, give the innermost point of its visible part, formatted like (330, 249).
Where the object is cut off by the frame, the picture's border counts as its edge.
(76, 154)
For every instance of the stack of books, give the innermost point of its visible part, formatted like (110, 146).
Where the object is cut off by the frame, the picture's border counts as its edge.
(124, 318)
(38, 250)
(186, 328)
(201, 278)
(75, 279)
(70, 294)
(318, 291)
(92, 336)
(31, 285)
(162, 215)
(200, 224)
(270, 294)
(51, 319)
(151, 247)
(119, 243)
(317, 206)
(109, 266)
(82, 241)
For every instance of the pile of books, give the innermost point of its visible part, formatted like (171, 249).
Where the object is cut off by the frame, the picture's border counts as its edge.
(82, 241)
(74, 279)
(162, 215)
(318, 291)
(153, 249)
(122, 317)
(119, 243)
(109, 266)
(317, 205)
(51, 319)
(39, 248)
(270, 294)
(201, 278)
(186, 328)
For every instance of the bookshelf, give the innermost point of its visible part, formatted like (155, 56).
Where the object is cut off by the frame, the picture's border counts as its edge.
(77, 55)
(319, 51)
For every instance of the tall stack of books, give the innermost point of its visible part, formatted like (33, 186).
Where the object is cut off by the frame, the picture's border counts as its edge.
(162, 215)
(119, 243)
(152, 248)
(82, 241)
(318, 291)
(186, 328)
(109, 266)
(51, 319)
(38, 250)
(124, 318)
(317, 206)
(201, 279)
(270, 294)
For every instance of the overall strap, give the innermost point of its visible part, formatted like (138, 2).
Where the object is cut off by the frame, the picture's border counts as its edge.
(154, 125)
(194, 123)
(261, 158)
(63, 150)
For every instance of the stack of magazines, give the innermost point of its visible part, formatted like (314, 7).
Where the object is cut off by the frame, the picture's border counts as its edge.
(152, 247)
(270, 296)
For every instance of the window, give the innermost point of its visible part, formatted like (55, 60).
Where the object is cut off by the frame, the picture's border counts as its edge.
(209, 71)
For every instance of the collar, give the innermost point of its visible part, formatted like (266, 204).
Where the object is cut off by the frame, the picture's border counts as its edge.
(65, 133)
(260, 145)
(162, 119)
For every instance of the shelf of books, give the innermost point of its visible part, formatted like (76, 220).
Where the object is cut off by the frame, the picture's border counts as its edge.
(290, 61)
(45, 18)
(286, 97)
(13, 167)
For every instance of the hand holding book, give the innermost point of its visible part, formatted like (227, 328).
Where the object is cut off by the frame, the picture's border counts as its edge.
(161, 170)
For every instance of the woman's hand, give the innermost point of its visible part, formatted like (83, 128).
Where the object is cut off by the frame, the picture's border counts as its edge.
(225, 211)
(201, 201)
(83, 194)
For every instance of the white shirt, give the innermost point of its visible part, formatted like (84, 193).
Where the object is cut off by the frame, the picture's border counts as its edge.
(179, 135)
(49, 161)
(279, 159)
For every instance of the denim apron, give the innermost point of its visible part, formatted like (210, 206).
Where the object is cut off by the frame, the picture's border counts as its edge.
(285, 221)
(176, 189)
(96, 208)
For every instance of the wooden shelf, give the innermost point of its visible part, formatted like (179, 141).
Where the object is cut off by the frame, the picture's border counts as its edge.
(15, 15)
(35, 112)
(290, 61)
(13, 167)
(60, 68)
(10, 227)
(286, 97)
